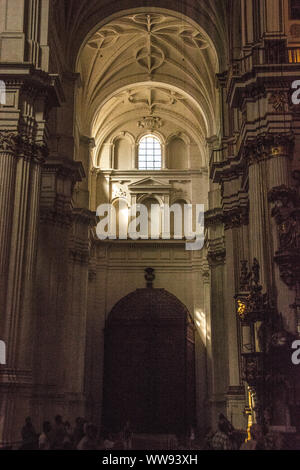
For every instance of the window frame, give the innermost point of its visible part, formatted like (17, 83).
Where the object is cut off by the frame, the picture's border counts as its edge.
(146, 160)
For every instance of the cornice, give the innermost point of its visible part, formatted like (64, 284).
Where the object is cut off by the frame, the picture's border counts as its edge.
(65, 167)
(26, 76)
(213, 217)
(180, 174)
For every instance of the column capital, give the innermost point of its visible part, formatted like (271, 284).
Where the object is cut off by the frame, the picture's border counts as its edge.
(89, 141)
(236, 217)
(216, 256)
(22, 145)
(268, 146)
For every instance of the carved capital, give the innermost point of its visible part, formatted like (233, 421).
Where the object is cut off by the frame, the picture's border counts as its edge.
(213, 217)
(22, 145)
(216, 257)
(58, 179)
(8, 141)
(235, 217)
(268, 146)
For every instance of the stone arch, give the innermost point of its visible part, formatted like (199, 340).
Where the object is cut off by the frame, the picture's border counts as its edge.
(142, 198)
(159, 135)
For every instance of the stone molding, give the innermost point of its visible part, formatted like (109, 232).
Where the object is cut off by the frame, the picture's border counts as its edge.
(21, 145)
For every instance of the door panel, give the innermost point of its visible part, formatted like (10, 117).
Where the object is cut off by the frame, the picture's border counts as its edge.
(149, 372)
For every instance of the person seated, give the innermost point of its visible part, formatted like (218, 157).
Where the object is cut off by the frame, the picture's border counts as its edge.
(89, 441)
(221, 440)
(59, 433)
(44, 439)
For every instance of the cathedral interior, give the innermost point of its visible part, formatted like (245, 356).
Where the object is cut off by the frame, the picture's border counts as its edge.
(153, 102)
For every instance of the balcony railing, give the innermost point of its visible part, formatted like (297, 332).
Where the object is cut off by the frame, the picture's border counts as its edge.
(264, 56)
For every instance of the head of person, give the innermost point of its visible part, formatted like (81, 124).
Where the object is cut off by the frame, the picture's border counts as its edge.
(28, 421)
(91, 431)
(46, 427)
(222, 427)
(58, 419)
(67, 425)
(78, 421)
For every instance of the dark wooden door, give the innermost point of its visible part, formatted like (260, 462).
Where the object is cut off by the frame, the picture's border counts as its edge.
(149, 372)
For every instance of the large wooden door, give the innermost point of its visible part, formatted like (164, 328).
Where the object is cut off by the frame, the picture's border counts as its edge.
(149, 364)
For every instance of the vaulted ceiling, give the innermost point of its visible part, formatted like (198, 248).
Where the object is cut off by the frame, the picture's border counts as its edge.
(148, 64)
(73, 20)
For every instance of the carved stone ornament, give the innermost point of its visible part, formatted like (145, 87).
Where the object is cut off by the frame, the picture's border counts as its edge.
(252, 304)
(286, 212)
(235, 217)
(119, 191)
(21, 145)
(279, 101)
(267, 146)
(150, 122)
(252, 368)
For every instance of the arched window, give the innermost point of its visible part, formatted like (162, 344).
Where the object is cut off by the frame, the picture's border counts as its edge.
(149, 153)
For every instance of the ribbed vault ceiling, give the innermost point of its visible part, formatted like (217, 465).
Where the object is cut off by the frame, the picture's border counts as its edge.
(148, 64)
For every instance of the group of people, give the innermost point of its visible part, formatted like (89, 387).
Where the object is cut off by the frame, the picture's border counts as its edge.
(61, 436)
(227, 438)
(86, 436)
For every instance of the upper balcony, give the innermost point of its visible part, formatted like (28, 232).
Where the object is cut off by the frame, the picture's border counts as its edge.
(272, 60)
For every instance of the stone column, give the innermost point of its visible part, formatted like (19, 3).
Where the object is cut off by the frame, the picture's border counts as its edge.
(203, 350)
(95, 323)
(217, 349)
(18, 238)
(269, 167)
(258, 217)
(236, 389)
(23, 149)
(75, 318)
(283, 225)
(7, 187)
(52, 288)
(218, 334)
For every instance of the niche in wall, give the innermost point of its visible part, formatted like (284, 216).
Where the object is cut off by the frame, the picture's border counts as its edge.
(122, 154)
(178, 154)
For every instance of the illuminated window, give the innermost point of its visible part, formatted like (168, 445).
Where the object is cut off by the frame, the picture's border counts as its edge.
(149, 153)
